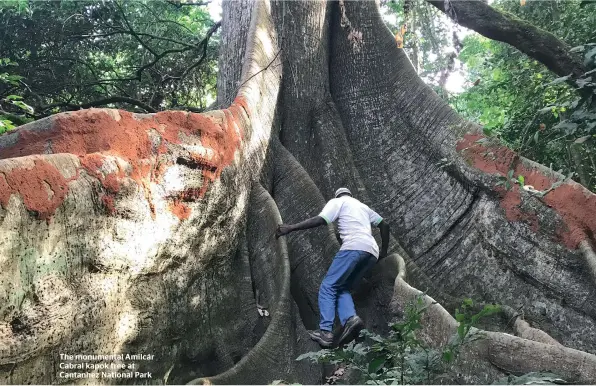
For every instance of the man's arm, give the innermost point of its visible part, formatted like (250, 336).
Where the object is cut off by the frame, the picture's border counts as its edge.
(384, 228)
(313, 222)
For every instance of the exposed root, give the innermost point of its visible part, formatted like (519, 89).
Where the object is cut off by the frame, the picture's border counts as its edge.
(589, 258)
(267, 357)
(401, 265)
(311, 251)
(524, 330)
(509, 353)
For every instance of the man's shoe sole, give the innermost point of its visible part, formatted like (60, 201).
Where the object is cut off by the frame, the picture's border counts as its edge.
(320, 341)
(351, 332)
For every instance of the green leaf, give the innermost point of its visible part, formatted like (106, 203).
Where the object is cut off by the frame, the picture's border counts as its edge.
(23, 106)
(588, 56)
(566, 126)
(360, 349)
(507, 185)
(448, 356)
(521, 180)
(10, 79)
(510, 174)
(313, 355)
(582, 139)
(582, 114)
(488, 131)
(546, 109)
(461, 330)
(376, 364)
(5, 125)
(304, 356)
(490, 309)
(536, 136)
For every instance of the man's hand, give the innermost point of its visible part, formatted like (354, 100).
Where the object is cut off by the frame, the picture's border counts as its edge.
(282, 230)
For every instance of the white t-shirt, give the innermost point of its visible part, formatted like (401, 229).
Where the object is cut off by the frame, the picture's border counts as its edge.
(354, 220)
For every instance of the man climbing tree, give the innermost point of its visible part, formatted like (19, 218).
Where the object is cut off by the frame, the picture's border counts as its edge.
(151, 233)
(358, 253)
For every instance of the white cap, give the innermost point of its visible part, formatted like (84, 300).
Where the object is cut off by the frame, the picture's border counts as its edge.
(341, 191)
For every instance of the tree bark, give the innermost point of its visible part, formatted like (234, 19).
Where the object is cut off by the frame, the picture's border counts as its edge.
(155, 233)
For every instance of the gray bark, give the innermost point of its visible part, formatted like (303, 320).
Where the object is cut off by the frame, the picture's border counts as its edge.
(236, 19)
(324, 99)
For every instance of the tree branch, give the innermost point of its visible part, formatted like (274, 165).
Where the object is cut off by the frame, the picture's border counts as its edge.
(128, 32)
(179, 4)
(132, 31)
(158, 19)
(174, 51)
(504, 27)
(204, 43)
(102, 102)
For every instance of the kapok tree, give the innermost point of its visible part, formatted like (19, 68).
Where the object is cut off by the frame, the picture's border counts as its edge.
(128, 233)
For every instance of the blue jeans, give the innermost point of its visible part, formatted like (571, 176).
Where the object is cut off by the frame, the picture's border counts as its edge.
(347, 268)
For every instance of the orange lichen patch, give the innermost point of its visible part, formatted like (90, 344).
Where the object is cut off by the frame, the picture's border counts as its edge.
(511, 201)
(575, 204)
(108, 202)
(578, 207)
(93, 134)
(4, 191)
(84, 132)
(179, 209)
(92, 163)
(42, 187)
(223, 139)
(191, 194)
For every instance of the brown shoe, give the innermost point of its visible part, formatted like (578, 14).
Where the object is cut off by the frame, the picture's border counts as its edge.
(351, 330)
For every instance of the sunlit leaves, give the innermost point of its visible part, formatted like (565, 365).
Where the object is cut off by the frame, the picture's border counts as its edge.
(520, 102)
(80, 51)
(402, 356)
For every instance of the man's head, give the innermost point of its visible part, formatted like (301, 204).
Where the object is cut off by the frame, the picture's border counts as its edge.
(342, 192)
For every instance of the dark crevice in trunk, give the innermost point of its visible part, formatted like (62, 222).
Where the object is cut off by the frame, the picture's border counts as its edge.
(457, 222)
(298, 198)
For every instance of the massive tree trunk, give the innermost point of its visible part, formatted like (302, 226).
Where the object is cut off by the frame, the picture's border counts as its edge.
(154, 234)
